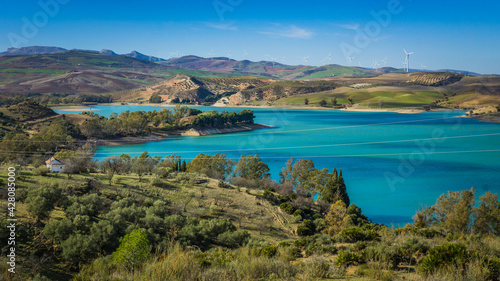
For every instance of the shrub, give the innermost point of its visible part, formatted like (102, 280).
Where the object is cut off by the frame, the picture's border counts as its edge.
(450, 254)
(269, 251)
(156, 181)
(347, 257)
(374, 273)
(298, 213)
(354, 234)
(320, 244)
(233, 239)
(318, 268)
(163, 172)
(41, 171)
(287, 208)
(307, 228)
(385, 255)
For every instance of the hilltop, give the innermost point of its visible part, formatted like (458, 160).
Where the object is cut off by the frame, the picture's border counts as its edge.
(62, 76)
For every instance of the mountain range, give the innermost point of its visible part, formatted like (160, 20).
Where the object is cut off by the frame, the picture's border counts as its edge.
(136, 77)
(227, 65)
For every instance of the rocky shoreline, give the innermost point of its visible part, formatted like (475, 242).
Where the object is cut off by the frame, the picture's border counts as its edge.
(488, 114)
(156, 136)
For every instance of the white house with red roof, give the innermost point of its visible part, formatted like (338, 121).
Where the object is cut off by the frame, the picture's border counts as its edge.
(54, 165)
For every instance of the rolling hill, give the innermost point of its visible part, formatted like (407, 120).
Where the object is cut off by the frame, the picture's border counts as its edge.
(191, 79)
(270, 69)
(32, 50)
(83, 72)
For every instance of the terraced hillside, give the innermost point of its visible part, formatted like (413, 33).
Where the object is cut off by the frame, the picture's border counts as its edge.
(189, 89)
(435, 78)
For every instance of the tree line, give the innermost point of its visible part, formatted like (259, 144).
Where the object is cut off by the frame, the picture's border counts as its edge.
(21, 148)
(299, 175)
(138, 122)
(54, 99)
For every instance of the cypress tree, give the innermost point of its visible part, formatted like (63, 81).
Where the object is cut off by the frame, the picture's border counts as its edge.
(335, 189)
(342, 190)
(183, 166)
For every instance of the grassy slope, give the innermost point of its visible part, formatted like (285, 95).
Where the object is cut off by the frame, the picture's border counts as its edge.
(245, 209)
(391, 97)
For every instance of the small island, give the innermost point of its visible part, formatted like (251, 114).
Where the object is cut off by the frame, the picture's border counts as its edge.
(145, 126)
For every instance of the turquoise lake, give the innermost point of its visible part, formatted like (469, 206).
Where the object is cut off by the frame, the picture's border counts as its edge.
(392, 163)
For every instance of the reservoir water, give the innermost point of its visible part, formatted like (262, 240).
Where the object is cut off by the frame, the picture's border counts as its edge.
(392, 163)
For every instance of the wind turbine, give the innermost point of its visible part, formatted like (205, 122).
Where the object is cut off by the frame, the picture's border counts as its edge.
(274, 61)
(178, 54)
(212, 54)
(229, 54)
(306, 59)
(408, 60)
(267, 57)
(385, 62)
(404, 64)
(283, 60)
(245, 54)
(350, 60)
(375, 64)
(423, 66)
(328, 58)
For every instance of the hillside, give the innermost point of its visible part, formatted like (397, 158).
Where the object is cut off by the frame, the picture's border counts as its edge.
(189, 89)
(201, 228)
(197, 80)
(32, 50)
(269, 68)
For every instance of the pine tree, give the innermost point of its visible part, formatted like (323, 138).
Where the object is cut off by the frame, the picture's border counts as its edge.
(134, 249)
(183, 166)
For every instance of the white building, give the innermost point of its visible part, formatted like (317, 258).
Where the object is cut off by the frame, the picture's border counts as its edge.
(54, 165)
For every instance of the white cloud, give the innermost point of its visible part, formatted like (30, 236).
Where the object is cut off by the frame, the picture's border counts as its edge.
(351, 26)
(290, 32)
(223, 26)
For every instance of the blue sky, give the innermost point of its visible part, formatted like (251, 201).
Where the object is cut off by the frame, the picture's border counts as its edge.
(443, 34)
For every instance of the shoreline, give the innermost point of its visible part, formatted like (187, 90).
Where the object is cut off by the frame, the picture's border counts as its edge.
(156, 136)
(485, 118)
(401, 110)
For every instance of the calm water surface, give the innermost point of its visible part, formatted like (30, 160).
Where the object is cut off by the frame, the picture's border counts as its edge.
(392, 163)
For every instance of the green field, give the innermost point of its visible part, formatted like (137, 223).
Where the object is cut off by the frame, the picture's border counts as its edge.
(366, 98)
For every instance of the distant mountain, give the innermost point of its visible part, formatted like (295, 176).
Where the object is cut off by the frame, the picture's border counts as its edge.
(271, 69)
(464, 72)
(42, 50)
(32, 50)
(74, 71)
(107, 52)
(137, 55)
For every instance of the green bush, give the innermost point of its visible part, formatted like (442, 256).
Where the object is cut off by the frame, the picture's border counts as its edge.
(317, 244)
(233, 239)
(287, 208)
(347, 257)
(354, 234)
(41, 171)
(269, 251)
(298, 213)
(318, 268)
(156, 181)
(307, 228)
(450, 254)
(375, 273)
(383, 254)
